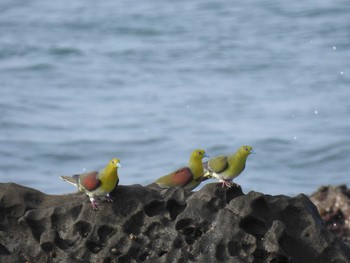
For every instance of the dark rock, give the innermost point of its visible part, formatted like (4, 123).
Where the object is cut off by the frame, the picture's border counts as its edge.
(333, 204)
(145, 225)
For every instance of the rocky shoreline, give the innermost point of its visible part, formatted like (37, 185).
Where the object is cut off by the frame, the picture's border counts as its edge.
(333, 204)
(147, 225)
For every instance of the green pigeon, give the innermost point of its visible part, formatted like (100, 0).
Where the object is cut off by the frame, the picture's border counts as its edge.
(187, 177)
(227, 167)
(97, 183)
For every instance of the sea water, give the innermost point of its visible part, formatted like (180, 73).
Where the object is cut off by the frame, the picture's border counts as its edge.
(149, 81)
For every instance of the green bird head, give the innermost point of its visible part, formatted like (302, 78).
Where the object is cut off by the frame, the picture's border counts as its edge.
(114, 163)
(196, 166)
(198, 154)
(246, 150)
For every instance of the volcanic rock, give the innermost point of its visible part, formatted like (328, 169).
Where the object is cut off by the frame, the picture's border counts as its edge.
(333, 204)
(213, 224)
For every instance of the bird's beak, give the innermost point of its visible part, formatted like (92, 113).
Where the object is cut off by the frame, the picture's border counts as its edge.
(118, 165)
(206, 155)
(252, 152)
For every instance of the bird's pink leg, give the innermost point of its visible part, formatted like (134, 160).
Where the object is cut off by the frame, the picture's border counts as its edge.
(229, 184)
(226, 183)
(93, 204)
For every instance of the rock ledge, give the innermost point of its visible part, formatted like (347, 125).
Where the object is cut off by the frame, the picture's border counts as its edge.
(145, 225)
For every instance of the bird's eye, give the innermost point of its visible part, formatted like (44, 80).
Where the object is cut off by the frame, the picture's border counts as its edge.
(200, 152)
(246, 149)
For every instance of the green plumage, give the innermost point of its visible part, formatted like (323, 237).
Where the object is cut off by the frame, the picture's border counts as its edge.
(97, 183)
(186, 177)
(227, 167)
(219, 163)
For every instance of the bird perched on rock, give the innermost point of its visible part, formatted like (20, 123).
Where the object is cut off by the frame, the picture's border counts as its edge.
(97, 183)
(227, 167)
(187, 177)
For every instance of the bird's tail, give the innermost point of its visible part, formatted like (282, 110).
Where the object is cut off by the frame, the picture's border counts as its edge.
(69, 179)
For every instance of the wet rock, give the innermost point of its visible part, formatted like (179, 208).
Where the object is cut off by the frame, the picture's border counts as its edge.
(146, 225)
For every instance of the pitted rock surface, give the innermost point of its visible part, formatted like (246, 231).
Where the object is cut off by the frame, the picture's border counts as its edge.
(146, 225)
(333, 204)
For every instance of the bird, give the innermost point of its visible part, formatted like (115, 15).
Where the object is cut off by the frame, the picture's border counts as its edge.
(97, 183)
(227, 167)
(188, 177)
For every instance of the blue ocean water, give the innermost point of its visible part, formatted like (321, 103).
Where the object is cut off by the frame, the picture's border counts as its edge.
(148, 82)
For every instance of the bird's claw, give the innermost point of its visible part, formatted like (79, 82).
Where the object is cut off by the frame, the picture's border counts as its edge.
(226, 183)
(94, 205)
(229, 184)
(109, 199)
(94, 202)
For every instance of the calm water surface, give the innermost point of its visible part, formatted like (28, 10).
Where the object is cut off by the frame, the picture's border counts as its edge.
(148, 82)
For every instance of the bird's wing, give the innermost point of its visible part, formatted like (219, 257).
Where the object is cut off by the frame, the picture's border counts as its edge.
(180, 177)
(89, 181)
(217, 164)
